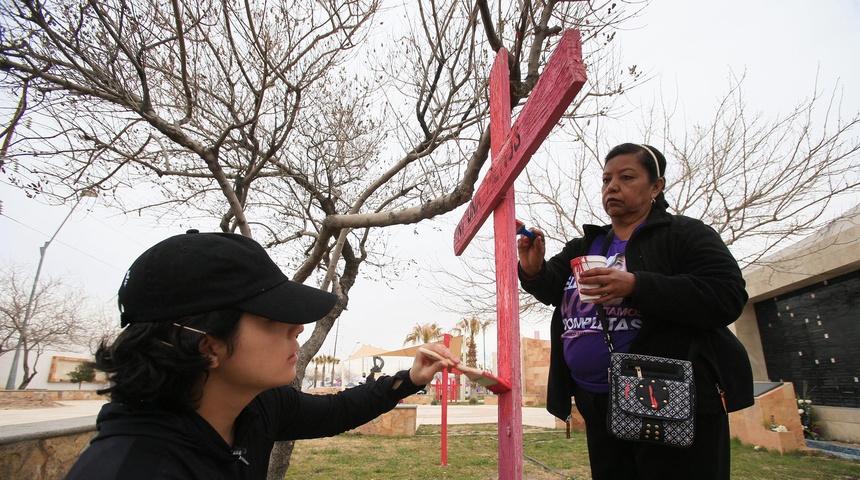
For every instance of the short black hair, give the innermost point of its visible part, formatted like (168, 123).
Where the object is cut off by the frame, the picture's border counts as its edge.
(159, 365)
(647, 161)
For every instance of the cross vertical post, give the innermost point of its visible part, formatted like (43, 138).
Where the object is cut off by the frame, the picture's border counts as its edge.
(507, 314)
(511, 148)
(444, 451)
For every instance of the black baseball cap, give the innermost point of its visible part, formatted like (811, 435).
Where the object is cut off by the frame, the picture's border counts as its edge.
(196, 273)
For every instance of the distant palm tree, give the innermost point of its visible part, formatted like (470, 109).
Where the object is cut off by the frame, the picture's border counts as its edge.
(484, 326)
(471, 327)
(325, 360)
(422, 334)
(317, 361)
(333, 361)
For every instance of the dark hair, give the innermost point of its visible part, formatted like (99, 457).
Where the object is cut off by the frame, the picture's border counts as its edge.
(159, 365)
(647, 161)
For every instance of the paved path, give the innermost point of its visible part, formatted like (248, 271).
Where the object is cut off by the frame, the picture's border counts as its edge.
(471, 414)
(427, 414)
(68, 409)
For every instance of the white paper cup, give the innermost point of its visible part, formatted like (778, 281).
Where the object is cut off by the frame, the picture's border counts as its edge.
(581, 264)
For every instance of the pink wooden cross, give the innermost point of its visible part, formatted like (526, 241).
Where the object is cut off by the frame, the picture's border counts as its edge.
(511, 149)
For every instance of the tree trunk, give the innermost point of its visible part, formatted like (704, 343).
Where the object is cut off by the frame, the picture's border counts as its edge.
(279, 461)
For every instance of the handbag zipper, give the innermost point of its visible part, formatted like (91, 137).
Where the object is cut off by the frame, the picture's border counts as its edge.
(722, 397)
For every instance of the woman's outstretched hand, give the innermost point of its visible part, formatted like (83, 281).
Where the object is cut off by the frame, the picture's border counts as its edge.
(426, 366)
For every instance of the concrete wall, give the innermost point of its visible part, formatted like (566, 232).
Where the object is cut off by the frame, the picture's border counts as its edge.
(838, 423)
(45, 367)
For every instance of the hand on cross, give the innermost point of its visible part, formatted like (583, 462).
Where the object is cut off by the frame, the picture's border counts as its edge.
(531, 252)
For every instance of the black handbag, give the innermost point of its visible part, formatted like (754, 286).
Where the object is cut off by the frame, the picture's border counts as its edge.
(651, 399)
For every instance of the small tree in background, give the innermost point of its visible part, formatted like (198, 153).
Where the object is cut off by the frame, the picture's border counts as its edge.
(57, 319)
(84, 372)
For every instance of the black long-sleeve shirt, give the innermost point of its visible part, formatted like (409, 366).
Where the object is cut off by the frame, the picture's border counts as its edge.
(153, 444)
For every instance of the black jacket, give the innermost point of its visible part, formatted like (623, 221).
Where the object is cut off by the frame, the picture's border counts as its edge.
(689, 288)
(141, 444)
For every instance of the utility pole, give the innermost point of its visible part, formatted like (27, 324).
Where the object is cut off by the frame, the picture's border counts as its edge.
(22, 338)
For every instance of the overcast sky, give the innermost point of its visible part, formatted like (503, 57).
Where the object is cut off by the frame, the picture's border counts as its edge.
(689, 48)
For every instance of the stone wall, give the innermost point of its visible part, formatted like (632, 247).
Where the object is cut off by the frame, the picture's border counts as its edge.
(418, 399)
(535, 367)
(54, 395)
(402, 421)
(43, 450)
(752, 426)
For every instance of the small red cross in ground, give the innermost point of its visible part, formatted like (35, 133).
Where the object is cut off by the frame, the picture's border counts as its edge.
(511, 149)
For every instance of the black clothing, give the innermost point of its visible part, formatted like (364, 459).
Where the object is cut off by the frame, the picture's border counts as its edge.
(614, 459)
(689, 288)
(154, 444)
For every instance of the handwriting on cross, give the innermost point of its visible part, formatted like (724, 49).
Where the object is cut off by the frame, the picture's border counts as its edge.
(511, 149)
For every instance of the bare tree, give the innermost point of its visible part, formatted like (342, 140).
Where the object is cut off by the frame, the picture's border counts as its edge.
(55, 322)
(102, 325)
(304, 123)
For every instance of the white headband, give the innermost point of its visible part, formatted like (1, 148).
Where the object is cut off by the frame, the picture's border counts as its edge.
(656, 163)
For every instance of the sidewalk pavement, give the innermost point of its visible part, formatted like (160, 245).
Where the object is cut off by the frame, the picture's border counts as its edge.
(472, 414)
(68, 409)
(427, 414)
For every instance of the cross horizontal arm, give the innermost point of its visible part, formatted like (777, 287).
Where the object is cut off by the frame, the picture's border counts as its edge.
(561, 80)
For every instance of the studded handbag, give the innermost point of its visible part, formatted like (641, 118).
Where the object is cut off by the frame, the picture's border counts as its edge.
(651, 399)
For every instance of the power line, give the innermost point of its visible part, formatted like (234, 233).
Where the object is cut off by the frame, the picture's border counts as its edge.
(62, 242)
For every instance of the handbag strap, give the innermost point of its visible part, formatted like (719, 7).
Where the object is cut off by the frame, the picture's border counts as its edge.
(601, 313)
(604, 323)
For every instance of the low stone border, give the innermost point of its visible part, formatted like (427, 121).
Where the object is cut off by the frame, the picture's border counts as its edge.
(44, 450)
(399, 422)
(843, 451)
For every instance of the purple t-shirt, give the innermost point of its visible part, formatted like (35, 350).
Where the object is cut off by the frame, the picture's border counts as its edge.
(585, 350)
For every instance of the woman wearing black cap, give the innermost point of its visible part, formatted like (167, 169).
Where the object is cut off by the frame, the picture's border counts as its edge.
(198, 376)
(672, 290)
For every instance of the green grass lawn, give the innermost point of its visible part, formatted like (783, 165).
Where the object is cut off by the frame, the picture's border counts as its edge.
(473, 452)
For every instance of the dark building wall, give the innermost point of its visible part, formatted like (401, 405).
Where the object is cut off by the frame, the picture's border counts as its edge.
(811, 337)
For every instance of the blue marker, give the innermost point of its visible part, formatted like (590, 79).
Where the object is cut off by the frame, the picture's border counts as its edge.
(522, 230)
